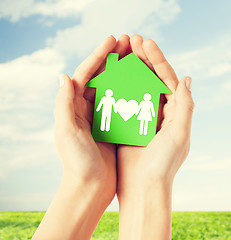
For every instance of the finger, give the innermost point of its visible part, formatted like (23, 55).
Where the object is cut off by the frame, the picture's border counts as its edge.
(64, 109)
(89, 66)
(160, 116)
(137, 47)
(162, 68)
(89, 94)
(121, 47)
(129, 49)
(89, 112)
(184, 109)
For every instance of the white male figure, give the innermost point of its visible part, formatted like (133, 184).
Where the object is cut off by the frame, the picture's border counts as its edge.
(106, 102)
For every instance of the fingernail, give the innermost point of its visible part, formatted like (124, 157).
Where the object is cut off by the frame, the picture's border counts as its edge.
(189, 83)
(61, 80)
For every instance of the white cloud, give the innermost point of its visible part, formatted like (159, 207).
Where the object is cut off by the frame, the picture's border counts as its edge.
(27, 155)
(210, 61)
(102, 18)
(26, 201)
(24, 146)
(220, 69)
(207, 199)
(27, 79)
(201, 183)
(161, 10)
(17, 9)
(207, 163)
(28, 83)
(27, 94)
(210, 68)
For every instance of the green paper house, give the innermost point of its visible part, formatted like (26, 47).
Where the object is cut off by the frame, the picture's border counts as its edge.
(126, 101)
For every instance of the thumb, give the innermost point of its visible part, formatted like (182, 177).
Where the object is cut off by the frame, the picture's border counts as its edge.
(184, 108)
(64, 109)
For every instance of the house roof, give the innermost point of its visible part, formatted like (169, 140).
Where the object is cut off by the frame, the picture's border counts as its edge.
(128, 72)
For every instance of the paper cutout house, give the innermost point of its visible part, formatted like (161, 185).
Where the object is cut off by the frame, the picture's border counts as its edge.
(128, 80)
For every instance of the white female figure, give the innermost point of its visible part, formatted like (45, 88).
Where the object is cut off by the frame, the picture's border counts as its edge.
(146, 113)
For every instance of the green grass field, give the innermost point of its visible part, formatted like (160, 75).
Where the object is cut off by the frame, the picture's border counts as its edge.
(186, 225)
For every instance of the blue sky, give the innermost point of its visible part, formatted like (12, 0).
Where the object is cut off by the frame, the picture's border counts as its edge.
(41, 39)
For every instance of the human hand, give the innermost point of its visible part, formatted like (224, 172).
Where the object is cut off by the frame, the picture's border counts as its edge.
(84, 159)
(145, 174)
(89, 168)
(160, 160)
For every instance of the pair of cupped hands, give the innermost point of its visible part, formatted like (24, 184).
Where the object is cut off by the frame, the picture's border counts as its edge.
(110, 168)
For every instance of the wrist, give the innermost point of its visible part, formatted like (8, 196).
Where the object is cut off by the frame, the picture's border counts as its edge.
(74, 212)
(147, 188)
(91, 189)
(146, 212)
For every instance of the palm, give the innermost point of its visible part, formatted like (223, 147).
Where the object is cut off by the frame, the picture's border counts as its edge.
(104, 160)
(134, 163)
(138, 161)
(99, 158)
